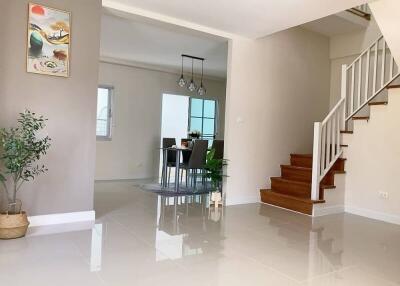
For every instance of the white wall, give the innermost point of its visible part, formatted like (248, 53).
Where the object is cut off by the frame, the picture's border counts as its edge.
(373, 163)
(277, 87)
(132, 153)
(68, 103)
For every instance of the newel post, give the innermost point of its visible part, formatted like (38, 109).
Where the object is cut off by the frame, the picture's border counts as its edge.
(343, 96)
(316, 164)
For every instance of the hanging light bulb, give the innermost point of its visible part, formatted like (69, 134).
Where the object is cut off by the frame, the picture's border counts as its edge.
(192, 85)
(182, 81)
(202, 90)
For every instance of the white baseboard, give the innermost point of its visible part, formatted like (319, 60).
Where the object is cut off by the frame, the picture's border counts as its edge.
(395, 219)
(61, 218)
(241, 200)
(319, 210)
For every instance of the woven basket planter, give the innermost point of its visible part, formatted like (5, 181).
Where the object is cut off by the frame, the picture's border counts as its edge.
(13, 225)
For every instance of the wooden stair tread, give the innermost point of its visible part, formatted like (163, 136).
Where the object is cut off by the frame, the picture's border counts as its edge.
(393, 86)
(296, 167)
(301, 183)
(346, 132)
(310, 201)
(327, 187)
(378, 103)
(302, 205)
(291, 181)
(344, 145)
(301, 155)
(360, 118)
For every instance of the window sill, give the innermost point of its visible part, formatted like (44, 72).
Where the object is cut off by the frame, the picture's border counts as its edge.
(103, 138)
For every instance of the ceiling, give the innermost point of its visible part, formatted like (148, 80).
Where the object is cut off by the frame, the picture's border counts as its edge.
(338, 24)
(250, 18)
(161, 46)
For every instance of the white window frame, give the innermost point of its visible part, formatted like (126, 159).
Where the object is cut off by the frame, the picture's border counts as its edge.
(107, 137)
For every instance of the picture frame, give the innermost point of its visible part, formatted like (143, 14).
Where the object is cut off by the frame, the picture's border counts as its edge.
(48, 41)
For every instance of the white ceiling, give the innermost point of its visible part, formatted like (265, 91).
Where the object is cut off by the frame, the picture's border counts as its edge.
(152, 44)
(250, 18)
(338, 24)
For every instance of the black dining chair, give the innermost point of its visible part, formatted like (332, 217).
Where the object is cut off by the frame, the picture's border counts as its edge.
(196, 161)
(218, 145)
(171, 157)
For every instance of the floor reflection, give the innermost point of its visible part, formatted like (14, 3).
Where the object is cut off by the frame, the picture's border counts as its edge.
(96, 248)
(143, 239)
(172, 237)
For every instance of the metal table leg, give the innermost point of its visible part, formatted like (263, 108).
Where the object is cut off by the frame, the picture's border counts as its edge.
(178, 161)
(165, 168)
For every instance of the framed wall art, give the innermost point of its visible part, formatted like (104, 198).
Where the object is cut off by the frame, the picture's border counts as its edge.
(49, 36)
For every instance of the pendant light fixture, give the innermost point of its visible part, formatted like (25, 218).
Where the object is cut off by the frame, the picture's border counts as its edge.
(202, 90)
(192, 85)
(182, 81)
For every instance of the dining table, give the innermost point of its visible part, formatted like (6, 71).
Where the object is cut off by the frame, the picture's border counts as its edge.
(178, 150)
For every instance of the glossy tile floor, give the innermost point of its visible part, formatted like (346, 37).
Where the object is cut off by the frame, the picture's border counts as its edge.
(143, 239)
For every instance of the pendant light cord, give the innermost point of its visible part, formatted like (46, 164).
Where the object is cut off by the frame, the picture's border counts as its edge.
(202, 62)
(192, 69)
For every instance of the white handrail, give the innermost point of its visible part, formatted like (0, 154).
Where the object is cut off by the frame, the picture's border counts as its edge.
(360, 84)
(327, 147)
(375, 65)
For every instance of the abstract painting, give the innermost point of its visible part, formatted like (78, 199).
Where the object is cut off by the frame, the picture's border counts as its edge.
(48, 41)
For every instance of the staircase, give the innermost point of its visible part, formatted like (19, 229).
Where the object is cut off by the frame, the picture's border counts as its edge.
(303, 183)
(292, 190)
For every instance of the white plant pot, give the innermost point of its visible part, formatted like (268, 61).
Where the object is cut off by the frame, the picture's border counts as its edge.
(216, 198)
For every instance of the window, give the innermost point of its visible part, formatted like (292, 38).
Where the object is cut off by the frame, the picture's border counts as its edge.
(203, 117)
(103, 127)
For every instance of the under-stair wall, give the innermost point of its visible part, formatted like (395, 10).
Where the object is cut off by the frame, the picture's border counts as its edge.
(372, 167)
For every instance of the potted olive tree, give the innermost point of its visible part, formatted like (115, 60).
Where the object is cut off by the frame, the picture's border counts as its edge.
(214, 168)
(20, 150)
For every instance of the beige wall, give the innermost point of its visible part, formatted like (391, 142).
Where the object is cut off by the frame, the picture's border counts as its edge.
(68, 103)
(372, 163)
(386, 13)
(132, 152)
(277, 87)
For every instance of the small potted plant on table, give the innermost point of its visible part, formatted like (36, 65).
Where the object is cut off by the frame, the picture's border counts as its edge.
(20, 149)
(194, 134)
(214, 168)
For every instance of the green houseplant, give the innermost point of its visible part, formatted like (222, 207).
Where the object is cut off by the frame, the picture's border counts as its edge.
(214, 168)
(20, 150)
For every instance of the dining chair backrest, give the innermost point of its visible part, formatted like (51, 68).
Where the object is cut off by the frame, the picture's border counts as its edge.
(218, 145)
(166, 143)
(199, 152)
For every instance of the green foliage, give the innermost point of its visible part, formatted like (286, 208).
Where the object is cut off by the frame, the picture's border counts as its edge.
(214, 168)
(21, 148)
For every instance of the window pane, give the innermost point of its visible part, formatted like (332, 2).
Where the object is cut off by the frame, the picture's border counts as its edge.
(208, 127)
(209, 108)
(196, 107)
(195, 124)
(102, 111)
